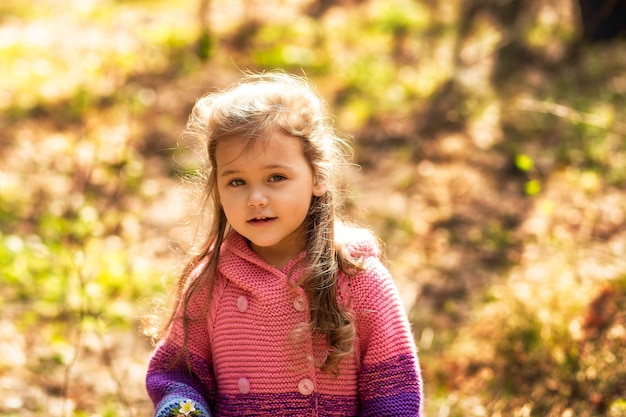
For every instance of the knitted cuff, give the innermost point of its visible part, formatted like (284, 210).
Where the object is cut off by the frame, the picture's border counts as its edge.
(179, 406)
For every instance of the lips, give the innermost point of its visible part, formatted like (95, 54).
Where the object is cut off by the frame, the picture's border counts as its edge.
(261, 220)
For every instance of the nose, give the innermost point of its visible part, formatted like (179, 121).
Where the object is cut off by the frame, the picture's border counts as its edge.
(257, 198)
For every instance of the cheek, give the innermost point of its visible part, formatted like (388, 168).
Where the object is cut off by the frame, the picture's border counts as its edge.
(231, 212)
(226, 201)
(300, 205)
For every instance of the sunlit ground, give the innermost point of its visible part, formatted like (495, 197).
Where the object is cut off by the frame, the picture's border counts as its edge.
(497, 183)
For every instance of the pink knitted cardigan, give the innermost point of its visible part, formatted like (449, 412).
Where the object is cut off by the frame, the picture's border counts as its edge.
(250, 354)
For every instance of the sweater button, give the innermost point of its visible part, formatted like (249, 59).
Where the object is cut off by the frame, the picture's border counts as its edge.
(244, 385)
(299, 303)
(242, 303)
(305, 386)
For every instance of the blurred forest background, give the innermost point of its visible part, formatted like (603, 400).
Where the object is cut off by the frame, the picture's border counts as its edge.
(491, 139)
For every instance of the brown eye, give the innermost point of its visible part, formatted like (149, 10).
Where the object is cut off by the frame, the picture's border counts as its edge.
(277, 178)
(236, 183)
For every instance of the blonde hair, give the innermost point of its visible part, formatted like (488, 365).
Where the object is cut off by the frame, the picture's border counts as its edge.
(257, 104)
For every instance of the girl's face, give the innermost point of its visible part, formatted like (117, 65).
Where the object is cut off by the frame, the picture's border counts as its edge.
(265, 188)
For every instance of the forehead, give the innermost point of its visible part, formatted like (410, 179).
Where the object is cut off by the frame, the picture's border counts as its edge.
(269, 148)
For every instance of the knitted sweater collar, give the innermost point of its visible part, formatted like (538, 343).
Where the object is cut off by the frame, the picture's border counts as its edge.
(238, 263)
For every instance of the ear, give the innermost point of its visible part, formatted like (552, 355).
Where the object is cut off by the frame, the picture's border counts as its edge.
(319, 188)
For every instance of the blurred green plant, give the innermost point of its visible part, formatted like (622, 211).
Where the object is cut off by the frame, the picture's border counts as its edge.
(78, 107)
(101, 47)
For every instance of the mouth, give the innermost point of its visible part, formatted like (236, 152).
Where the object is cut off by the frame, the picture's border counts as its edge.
(261, 220)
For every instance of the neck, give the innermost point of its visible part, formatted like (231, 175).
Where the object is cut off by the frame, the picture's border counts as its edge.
(278, 258)
(280, 254)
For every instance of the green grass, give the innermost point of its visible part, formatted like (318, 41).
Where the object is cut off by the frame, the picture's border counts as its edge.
(510, 230)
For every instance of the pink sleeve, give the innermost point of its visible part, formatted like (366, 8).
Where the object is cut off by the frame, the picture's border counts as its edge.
(390, 380)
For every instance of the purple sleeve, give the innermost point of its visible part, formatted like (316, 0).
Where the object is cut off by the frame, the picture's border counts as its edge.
(180, 372)
(170, 382)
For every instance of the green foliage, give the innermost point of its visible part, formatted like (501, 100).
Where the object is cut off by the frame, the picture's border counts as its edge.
(617, 408)
(206, 45)
(524, 162)
(94, 95)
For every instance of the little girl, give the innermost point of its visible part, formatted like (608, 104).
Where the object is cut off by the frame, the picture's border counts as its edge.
(284, 311)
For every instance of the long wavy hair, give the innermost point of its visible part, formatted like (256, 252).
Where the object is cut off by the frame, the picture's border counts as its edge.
(257, 104)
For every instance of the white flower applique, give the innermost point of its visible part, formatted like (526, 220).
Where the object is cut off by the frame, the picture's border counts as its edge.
(187, 409)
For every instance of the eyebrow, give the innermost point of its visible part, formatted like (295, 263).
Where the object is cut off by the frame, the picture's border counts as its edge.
(229, 172)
